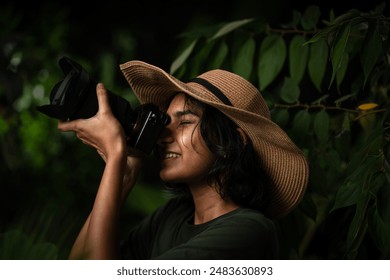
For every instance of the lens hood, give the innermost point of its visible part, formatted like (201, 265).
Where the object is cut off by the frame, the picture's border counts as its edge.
(71, 93)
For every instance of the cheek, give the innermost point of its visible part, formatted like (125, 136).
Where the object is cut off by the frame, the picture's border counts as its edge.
(193, 165)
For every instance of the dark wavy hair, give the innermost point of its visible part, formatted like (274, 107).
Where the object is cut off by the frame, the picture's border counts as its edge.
(237, 169)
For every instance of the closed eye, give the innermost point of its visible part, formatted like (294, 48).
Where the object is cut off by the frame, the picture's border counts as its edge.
(184, 118)
(185, 122)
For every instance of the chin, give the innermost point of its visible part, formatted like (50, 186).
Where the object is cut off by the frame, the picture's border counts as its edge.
(169, 180)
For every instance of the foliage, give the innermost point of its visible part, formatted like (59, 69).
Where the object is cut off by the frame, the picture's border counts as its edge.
(327, 83)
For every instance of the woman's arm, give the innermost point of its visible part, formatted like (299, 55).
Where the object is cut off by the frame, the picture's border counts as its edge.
(98, 238)
(78, 249)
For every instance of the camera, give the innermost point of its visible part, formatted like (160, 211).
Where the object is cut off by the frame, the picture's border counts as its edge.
(74, 97)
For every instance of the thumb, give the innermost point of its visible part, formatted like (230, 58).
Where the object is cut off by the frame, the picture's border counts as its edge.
(103, 98)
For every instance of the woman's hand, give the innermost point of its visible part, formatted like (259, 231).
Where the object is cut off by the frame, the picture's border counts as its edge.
(102, 131)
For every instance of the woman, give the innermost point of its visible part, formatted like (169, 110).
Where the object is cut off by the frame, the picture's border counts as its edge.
(233, 170)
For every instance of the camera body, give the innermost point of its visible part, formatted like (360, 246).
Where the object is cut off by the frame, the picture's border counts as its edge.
(74, 97)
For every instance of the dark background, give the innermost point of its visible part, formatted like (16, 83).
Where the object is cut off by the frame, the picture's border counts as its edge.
(156, 25)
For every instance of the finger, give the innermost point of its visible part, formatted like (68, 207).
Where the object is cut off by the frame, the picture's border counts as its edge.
(68, 125)
(102, 96)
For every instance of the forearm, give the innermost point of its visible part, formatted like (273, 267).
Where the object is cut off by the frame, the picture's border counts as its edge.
(76, 252)
(98, 238)
(102, 233)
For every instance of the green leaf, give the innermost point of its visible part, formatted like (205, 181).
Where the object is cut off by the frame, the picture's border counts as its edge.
(379, 229)
(229, 27)
(320, 35)
(318, 60)
(371, 50)
(358, 226)
(301, 125)
(347, 195)
(333, 160)
(310, 17)
(376, 193)
(179, 61)
(243, 63)
(281, 117)
(218, 58)
(381, 188)
(342, 70)
(344, 98)
(352, 17)
(321, 126)
(348, 16)
(349, 192)
(338, 50)
(321, 99)
(273, 52)
(197, 65)
(309, 207)
(289, 91)
(346, 122)
(298, 54)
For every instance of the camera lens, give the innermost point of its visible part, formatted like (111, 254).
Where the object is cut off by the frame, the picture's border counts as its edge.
(75, 98)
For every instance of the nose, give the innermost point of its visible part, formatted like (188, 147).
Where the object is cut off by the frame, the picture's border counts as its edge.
(166, 135)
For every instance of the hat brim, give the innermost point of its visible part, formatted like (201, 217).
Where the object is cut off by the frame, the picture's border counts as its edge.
(284, 163)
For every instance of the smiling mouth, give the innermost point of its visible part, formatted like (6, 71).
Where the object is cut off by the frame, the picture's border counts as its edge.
(170, 155)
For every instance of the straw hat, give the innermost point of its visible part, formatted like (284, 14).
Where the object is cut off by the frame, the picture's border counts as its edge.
(238, 99)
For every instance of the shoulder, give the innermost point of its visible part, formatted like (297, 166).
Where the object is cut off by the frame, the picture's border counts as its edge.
(246, 222)
(249, 231)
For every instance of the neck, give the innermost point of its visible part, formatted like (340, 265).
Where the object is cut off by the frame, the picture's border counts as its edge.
(209, 204)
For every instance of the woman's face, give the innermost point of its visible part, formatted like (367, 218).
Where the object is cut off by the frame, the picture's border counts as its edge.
(184, 155)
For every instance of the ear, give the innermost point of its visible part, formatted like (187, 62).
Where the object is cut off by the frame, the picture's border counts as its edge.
(243, 135)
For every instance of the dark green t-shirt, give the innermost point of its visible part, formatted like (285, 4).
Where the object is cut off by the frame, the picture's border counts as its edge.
(169, 233)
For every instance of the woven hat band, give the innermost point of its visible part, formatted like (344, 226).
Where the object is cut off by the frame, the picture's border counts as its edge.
(213, 89)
